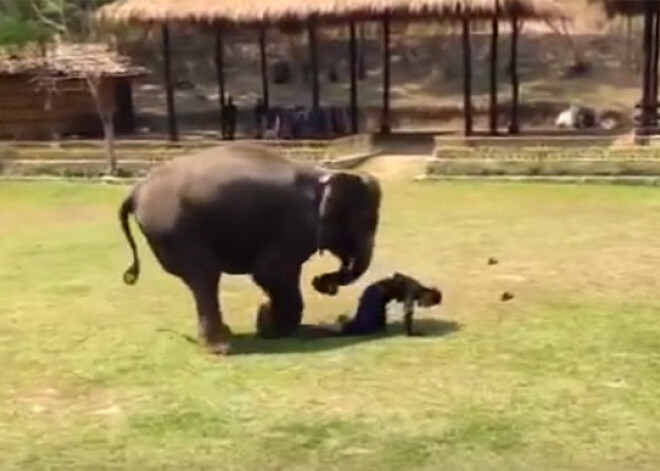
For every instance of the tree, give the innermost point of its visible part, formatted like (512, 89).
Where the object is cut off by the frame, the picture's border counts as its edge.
(613, 8)
(51, 22)
(19, 24)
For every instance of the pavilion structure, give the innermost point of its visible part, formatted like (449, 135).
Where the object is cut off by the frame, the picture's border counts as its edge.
(650, 11)
(219, 16)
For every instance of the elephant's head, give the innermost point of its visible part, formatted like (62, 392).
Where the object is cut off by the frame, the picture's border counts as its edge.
(348, 220)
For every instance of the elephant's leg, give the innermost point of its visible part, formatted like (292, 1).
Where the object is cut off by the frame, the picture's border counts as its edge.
(194, 264)
(212, 331)
(281, 281)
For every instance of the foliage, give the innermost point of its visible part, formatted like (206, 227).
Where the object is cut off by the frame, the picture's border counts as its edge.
(550, 161)
(28, 21)
(19, 24)
(40, 21)
(624, 7)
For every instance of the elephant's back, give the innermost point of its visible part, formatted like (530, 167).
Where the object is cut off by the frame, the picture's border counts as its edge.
(232, 162)
(236, 169)
(240, 196)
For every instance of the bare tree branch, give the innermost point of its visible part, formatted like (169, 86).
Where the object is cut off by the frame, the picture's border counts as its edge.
(564, 33)
(91, 77)
(47, 21)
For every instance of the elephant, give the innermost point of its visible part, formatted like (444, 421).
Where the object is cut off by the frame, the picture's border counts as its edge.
(243, 209)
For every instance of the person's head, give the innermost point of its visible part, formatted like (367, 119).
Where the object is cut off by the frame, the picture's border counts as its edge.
(429, 297)
(230, 100)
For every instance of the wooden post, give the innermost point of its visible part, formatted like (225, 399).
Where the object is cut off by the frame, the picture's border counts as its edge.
(220, 75)
(169, 86)
(385, 119)
(125, 114)
(264, 68)
(628, 41)
(353, 66)
(514, 126)
(314, 62)
(467, 76)
(646, 75)
(494, 112)
(362, 56)
(654, 68)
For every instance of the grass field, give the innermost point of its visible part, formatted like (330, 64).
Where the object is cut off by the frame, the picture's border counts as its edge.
(97, 375)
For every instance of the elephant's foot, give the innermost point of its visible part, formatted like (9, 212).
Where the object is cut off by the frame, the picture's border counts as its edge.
(265, 323)
(269, 326)
(216, 342)
(218, 348)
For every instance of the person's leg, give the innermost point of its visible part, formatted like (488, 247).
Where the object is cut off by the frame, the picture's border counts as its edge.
(370, 315)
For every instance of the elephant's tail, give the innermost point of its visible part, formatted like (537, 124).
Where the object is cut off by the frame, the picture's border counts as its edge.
(127, 208)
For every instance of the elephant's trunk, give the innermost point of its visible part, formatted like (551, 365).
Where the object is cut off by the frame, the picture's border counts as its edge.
(357, 264)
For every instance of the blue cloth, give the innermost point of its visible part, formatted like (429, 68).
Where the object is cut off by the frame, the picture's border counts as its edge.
(370, 317)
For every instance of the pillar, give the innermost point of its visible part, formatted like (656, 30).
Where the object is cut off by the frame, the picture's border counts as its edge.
(467, 77)
(169, 86)
(353, 59)
(494, 112)
(220, 75)
(385, 119)
(514, 126)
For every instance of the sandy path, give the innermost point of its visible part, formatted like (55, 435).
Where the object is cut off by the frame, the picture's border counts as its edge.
(391, 166)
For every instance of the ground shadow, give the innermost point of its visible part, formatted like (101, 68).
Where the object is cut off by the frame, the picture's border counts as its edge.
(315, 338)
(312, 338)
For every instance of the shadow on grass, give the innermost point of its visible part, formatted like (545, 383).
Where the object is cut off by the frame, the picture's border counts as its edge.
(318, 338)
(312, 338)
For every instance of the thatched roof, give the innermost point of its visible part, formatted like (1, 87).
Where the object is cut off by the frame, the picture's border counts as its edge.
(253, 12)
(626, 7)
(68, 60)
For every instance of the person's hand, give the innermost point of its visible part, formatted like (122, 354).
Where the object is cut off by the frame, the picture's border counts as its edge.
(325, 284)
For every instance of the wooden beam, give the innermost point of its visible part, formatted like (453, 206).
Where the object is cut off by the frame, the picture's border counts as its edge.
(314, 62)
(628, 21)
(353, 59)
(467, 77)
(362, 55)
(385, 126)
(514, 125)
(654, 68)
(125, 110)
(220, 75)
(646, 74)
(264, 68)
(494, 111)
(169, 86)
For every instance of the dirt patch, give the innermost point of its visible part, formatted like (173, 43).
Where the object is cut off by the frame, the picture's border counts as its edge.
(50, 400)
(392, 167)
(27, 217)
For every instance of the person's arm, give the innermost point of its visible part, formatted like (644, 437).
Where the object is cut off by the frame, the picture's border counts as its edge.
(413, 293)
(409, 309)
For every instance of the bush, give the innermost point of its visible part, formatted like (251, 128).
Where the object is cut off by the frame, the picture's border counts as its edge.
(574, 167)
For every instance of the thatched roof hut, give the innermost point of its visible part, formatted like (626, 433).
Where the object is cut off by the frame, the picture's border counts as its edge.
(260, 12)
(650, 10)
(45, 93)
(614, 8)
(217, 15)
(69, 60)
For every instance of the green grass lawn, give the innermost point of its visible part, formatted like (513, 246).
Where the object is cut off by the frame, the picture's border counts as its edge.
(97, 375)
